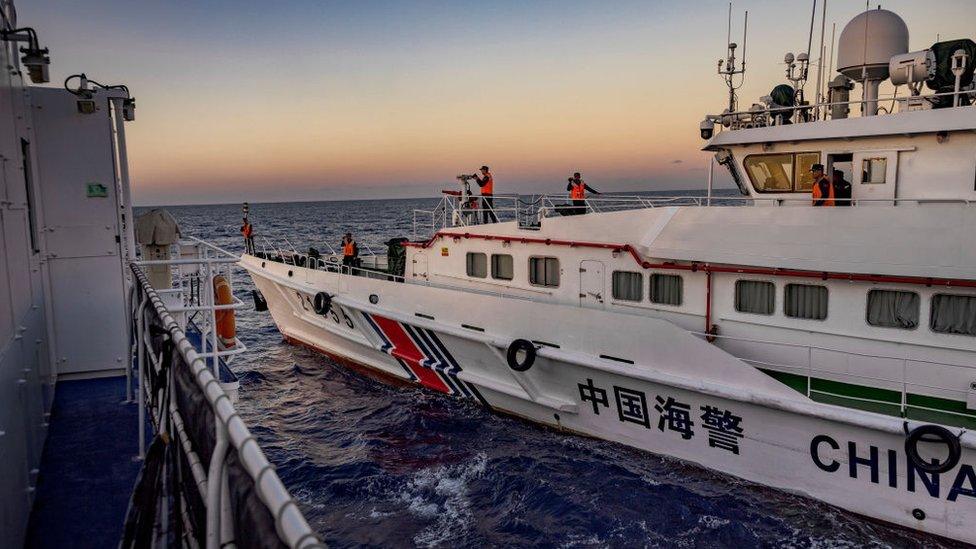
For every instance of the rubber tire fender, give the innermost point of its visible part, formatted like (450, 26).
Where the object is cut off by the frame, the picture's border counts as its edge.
(322, 303)
(942, 435)
(525, 346)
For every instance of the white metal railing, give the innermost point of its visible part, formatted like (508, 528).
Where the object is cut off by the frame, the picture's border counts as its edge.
(770, 115)
(230, 431)
(809, 371)
(453, 210)
(530, 210)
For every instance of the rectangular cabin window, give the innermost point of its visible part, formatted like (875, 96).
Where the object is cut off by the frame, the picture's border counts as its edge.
(544, 271)
(666, 289)
(628, 286)
(781, 172)
(893, 309)
(954, 314)
(477, 265)
(802, 175)
(502, 267)
(805, 301)
(755, 297)
(874, 170)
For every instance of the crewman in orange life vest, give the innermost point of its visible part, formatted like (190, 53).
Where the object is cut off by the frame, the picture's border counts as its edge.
(487, 183)
(247, 231)
(577, 192)
(823, 187)
(350, 252)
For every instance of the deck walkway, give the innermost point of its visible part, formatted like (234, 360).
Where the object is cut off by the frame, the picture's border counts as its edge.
(87, 471)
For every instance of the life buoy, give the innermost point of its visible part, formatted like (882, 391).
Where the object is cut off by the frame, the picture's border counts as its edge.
(322, 303)
(226, 324)
(528, 358)
(936, 433)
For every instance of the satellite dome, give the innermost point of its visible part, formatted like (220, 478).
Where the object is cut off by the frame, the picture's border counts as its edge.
(868, 43)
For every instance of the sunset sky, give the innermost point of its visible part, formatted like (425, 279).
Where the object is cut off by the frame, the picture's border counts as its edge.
(317, 100)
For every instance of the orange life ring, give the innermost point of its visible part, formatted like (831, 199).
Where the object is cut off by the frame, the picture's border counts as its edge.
(226, 325)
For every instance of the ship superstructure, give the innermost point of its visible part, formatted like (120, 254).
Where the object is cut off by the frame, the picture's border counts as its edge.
(822, 350)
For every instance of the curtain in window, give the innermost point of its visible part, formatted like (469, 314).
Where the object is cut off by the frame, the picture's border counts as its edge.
(806, 301)
(755, 296)
(666, 289)
(893, 309)
(628, 286)
(544, 271)
(954, 314)
(477, 265)
(552, 271)
(501, 267)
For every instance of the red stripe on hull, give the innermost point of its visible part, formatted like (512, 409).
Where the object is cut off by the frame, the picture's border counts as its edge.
(405, 349)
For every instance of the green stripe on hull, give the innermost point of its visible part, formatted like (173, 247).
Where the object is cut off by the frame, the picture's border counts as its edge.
(883, 401)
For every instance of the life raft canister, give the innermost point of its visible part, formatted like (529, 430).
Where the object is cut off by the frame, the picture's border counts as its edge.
(226, 325)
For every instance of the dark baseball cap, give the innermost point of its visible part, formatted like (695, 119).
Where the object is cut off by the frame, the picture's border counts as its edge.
(817, 168)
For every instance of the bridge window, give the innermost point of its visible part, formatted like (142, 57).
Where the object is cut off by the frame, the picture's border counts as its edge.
(628, 286)
(954, 314)
(544, 271)
(502, 267)
(666, 289)
(477, 265)
(755, 297)
(781, 173)
(893, 309)
(805, 301)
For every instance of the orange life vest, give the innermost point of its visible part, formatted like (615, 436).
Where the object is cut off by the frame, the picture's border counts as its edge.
(818, 194)
(489, 186)
(246, 230)
(349, 248)
(578, 192)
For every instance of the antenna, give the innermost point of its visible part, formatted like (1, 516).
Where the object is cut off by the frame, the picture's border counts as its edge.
(727, 68)
(820, 62)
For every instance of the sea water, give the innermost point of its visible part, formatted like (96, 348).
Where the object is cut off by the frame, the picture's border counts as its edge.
(373, 464)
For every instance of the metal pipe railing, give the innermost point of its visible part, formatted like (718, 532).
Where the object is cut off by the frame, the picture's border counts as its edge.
(291, 525)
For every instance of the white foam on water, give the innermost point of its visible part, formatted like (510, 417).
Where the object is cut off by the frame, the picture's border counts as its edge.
(712, 522)
(440, 494)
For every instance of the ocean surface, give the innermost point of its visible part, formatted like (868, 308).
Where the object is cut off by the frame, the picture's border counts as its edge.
(389, 466)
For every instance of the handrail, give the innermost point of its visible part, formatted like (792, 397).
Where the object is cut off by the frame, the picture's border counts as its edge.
(778, 110)
(290, 523)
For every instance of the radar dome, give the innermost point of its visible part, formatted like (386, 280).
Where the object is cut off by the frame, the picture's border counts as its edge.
(868, 43)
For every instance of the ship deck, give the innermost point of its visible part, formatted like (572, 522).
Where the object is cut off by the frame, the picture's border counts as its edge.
(87, 468)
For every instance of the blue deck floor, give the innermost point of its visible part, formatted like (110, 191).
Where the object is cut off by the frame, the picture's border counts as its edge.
(87, 471)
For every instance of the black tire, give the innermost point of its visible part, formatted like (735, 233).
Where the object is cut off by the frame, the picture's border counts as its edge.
(322, 303)
(936, 433)
(526, 347)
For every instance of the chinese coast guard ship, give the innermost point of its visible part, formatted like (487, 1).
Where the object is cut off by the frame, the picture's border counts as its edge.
(117, 422)
(828, 351)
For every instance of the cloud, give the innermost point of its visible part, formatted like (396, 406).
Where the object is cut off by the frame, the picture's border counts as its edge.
(677, 161)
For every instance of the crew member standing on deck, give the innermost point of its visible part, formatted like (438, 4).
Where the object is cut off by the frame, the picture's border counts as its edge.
(350, 252)
(247, 231)
(487, 183)
(823, 188)
(842, 189)
(577, 192)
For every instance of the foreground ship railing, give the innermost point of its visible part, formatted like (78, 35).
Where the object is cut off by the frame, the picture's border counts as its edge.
(177, 501)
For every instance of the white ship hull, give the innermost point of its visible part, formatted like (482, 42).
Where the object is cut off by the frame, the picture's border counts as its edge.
(680, 397)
